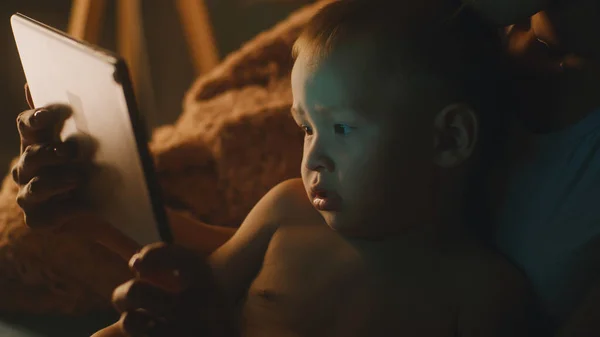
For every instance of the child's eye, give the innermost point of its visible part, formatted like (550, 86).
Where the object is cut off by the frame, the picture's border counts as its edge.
(307, 130)
(342, 129)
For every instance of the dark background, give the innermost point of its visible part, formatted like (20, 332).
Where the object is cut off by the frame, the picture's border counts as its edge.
(234, 22)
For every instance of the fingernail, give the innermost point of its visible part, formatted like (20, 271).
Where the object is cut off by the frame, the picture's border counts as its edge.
(120, 292)
(37, 116)
(134, 262)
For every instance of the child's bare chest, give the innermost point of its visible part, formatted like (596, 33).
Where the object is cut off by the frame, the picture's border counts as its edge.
(312, 283)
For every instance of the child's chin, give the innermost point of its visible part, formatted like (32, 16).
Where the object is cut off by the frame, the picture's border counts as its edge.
(337, 223)
(333, 220)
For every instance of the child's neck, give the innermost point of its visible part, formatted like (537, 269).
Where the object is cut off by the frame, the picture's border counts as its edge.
(418, 233)
(438, 220)
(416, 244)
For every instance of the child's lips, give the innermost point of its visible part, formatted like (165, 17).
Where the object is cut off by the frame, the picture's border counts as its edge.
(324, 200)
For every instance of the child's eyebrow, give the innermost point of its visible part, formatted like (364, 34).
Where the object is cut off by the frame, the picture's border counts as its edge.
(332, 110)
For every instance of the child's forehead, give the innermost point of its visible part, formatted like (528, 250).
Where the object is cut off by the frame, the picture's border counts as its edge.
(326, 85)
(348, 80)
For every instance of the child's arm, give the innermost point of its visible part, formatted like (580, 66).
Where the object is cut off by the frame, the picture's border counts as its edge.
(237, 258)
(192, 234)
(196, 235)
(174, 287)
(236, 263)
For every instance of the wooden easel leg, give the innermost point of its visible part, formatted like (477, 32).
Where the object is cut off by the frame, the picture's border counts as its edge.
(130, 35)
(198, 30)
(132, 47)
(85, 21)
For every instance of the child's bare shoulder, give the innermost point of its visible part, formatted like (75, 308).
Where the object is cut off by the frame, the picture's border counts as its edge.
(290, 200)
(234, 263)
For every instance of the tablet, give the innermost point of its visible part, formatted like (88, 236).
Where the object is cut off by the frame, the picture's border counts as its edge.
(96, 84)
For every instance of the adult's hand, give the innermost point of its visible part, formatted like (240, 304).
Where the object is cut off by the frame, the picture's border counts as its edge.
(51, 174)
(173, 294)
(49, 171)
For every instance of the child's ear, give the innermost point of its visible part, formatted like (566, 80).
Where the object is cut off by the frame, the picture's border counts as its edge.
(456, 131)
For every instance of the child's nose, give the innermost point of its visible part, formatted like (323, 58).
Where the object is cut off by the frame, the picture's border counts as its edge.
(317, 159)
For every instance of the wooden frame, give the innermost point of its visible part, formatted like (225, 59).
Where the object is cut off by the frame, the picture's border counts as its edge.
(85, 23)
(86, 18)
(198, 30)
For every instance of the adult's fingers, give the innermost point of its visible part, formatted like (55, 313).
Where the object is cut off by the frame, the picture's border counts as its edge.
(113, 330)
(139, 323)
(50, 184)
(169, 266)
(137, 294)
(42, 125)
(54, 214)
(36, 157)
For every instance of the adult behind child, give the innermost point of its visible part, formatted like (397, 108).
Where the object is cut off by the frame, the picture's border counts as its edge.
(548, 185)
